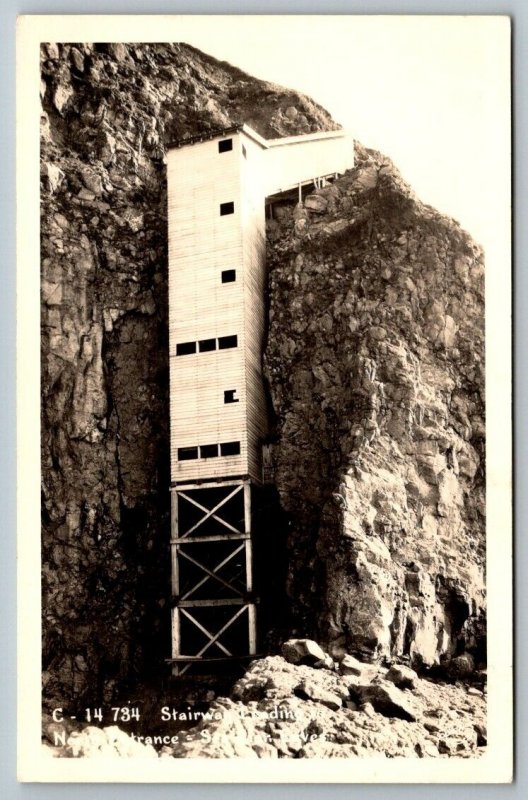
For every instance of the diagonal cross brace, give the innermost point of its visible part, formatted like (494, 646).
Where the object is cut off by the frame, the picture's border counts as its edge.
(209, 635)
(211, 512)
(213, 639)
(211, 573)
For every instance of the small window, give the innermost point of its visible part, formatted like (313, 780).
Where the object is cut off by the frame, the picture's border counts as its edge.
(187, 453)
(244, 151)
(225, 145)
(225, 342)
(228, 275)
(227, 208)
(205, 345)
(185, 348)
(230, 449)
(209, 451)
(229, 396)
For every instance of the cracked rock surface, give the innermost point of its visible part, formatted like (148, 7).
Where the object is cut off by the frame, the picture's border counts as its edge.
(108, 114)
(375, 363)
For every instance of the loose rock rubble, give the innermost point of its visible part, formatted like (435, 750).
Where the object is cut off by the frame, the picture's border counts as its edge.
(284, 710)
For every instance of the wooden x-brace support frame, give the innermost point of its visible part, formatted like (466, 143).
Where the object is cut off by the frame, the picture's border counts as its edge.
(210, 513)
(210, 573)
(205, 537)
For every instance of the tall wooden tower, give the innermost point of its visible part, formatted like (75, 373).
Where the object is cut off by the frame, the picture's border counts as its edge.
(217, 186)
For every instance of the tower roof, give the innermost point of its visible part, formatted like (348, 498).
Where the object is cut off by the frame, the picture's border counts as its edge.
(218, 133)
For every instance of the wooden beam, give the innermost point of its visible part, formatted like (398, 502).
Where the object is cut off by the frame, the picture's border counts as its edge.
(175, 569)
(208, 659)
(175, 580)
(252, 625)
(248, 544)
(228, 601)
(247, 506)
(218, 537)
(176, 633)
(219, 484)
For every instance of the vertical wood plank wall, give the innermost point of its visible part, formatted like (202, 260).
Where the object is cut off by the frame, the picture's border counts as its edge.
(201, 245)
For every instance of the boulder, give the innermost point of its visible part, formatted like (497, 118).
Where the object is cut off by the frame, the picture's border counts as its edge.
(367, 178)
(92, 180)
(351, 666)
(302, 651)
(311, 691)
(316, 202)
(119, 51)
(402, 676)
(52, 51)
(53, 176)
(461, 666)
(325, 663)
(386, 699)
(482, 734)
(77, 59)
(134, 219)
(86, 195)
(62, 97)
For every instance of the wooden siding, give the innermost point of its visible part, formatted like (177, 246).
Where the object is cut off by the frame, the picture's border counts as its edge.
(290, 164)
(254, 276)
(202, 244)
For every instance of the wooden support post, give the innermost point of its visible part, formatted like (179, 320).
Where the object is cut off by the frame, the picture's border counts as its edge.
(247, 507)
(249, 565)
(175, 581)
(176, 638)
(252, 622)
(252, 628)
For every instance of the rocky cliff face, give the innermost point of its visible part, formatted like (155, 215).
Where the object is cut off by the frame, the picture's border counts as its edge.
(109, 112)
(375, 362)
(376, 379)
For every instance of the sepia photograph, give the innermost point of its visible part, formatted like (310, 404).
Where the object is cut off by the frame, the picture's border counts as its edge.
(270, 455)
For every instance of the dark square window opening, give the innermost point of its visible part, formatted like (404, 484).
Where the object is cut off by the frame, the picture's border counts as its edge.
(227, 208)
(225, 342)
(187, 453)
(229, 396)
(230, 449)
(209, 451)
(185, 348)
(225, 145)
(228, 275)
(205, 345)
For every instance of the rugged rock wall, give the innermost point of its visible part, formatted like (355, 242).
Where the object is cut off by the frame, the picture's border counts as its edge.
(375, 362)
(109, 112)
